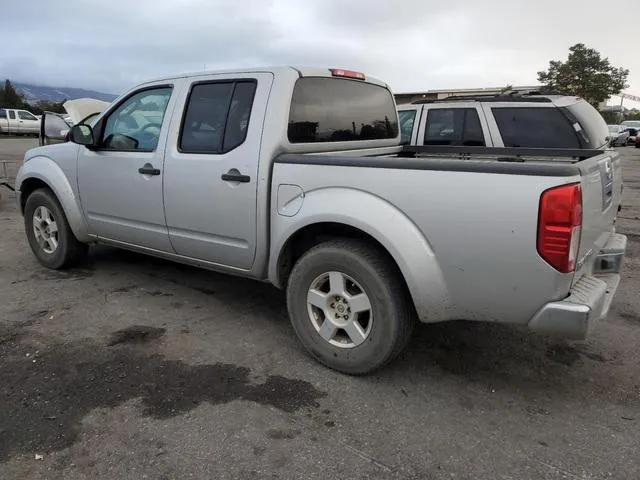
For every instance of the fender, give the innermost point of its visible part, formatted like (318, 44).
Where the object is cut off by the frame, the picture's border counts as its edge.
(49, 172)
(382, 221)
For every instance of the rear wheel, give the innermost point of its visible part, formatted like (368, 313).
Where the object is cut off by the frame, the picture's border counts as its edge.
(349, 307)
(48, 231)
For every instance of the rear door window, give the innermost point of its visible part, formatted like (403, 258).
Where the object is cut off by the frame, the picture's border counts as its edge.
(340, 110)
(12, 115)
(453, 126)
(217, 117)
(407, 119)
(535, 128)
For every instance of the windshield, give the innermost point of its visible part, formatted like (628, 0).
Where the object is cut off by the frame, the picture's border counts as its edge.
(631, 123)
(613, 128)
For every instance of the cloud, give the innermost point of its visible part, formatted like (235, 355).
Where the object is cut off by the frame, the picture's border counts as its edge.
(411, 44)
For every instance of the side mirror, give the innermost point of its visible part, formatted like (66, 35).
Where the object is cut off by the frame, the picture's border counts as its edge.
(82, 135)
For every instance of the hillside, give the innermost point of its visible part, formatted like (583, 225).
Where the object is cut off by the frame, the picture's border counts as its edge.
(36, 93)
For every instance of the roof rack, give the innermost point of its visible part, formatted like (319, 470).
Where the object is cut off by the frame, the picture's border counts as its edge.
(525, 96)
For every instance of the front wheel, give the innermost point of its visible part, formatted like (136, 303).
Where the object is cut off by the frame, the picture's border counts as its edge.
(349, 306)
(48, 232)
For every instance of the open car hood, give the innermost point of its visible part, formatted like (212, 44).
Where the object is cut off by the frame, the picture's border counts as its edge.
(81, 108)
(55, 127)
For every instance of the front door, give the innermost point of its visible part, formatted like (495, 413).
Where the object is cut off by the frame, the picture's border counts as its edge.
(211, 169)
(120, 182)
(28, 123)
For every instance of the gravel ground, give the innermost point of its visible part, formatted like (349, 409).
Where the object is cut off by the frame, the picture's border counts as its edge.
(133, 367)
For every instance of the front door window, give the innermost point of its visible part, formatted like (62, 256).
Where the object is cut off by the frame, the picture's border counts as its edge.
(135, 125)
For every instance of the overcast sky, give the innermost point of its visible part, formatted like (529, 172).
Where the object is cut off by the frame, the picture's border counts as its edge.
(412, 44)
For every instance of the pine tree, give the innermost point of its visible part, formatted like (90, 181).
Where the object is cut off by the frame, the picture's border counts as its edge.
(585, 74)
(11, 98)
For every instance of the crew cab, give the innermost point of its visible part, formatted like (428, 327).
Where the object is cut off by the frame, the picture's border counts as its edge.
(297, 177)
(516, 119)
(20, 122)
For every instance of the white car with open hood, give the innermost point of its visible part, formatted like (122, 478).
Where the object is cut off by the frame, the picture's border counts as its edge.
(56, 126)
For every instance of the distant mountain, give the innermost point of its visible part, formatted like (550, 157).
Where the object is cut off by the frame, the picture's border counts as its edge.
(36, 93)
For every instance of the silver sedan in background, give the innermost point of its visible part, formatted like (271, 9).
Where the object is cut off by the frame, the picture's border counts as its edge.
(618, 135)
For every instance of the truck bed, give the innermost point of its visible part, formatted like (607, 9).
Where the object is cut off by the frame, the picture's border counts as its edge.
(477, 214)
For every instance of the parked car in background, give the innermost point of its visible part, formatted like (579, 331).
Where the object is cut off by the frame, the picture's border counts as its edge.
(633, 133)
(295, 176)
(507, 120)
(18, 122)
(618, 135)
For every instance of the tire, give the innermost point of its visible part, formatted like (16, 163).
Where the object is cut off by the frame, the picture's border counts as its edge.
(43, 204)
(385, 328)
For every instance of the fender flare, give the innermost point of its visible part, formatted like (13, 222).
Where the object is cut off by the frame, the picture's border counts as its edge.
(48, 172)
(381, 220)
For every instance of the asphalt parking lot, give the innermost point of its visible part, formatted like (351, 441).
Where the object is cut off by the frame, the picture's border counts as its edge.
(133, 367)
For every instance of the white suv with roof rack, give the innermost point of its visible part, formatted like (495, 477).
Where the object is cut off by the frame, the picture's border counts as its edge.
(528, 120)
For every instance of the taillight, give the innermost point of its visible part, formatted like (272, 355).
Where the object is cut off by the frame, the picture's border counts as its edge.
(339, 72)
(559, 226)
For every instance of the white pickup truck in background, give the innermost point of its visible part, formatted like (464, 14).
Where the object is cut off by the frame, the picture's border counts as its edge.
(18, 122)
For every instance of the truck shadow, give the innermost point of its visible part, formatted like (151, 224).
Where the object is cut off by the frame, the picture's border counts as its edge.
(496, 354)
(511, 359)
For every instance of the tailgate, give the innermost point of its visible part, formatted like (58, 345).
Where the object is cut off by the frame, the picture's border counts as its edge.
(601, 196)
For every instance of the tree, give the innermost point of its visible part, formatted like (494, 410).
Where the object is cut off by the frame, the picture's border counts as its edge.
(11, 98)
(585, 74)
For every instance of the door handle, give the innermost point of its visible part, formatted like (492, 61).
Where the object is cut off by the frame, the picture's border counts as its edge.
(235, 176)
(149, 170)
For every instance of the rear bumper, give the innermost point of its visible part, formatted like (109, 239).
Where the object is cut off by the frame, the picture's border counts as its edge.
(589, 299)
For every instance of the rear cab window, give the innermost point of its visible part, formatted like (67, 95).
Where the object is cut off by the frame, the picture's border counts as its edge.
(325, 109)
(530, 127)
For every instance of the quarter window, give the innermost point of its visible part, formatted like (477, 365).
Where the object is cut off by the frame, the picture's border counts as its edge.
(407, 118)
(453, 126)
(216, 118)
(136, 123)
(535, 128)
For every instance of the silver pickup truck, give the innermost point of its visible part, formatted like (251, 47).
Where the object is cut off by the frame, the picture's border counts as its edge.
(297, 177)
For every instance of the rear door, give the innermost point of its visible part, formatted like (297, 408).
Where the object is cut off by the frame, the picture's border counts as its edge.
(211, 168)
(13, 121)
(460, 125)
